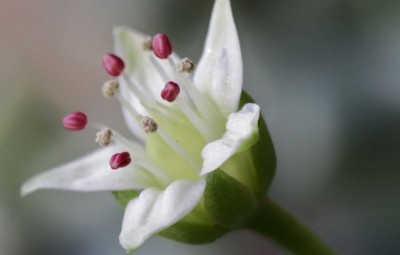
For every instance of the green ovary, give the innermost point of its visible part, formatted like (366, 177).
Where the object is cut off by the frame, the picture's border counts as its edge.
(185, 135)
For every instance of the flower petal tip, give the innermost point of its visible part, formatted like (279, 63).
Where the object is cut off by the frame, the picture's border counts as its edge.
(155, 210)
(26, 189)
(219, 72)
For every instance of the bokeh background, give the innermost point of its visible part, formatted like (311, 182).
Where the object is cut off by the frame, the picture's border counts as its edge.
(326, 73)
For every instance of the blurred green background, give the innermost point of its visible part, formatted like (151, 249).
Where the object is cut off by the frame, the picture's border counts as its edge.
(325, 72)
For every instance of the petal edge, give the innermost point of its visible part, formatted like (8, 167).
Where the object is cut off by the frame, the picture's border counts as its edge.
(89, 173)
(155, 210)
(241, 133)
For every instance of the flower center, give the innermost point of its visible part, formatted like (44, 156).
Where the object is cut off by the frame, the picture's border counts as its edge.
(178, 120)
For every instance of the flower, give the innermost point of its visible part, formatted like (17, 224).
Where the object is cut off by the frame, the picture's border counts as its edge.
(187, 125)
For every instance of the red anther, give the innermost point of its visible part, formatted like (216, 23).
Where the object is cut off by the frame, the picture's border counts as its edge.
(75, 121)
(119, 160)
(161, 46)
(170, 91)
(113, 64)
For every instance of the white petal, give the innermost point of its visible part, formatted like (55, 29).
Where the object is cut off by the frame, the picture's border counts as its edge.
(90, 173)
(130, 120)
(219, 72)
(241, 133)
(154, 211)
(129, 46)
(148, 74)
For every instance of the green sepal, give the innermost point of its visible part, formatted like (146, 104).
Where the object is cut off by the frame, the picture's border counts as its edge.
(262, 153)
(193, 233)
(228, 202)
(123, 197)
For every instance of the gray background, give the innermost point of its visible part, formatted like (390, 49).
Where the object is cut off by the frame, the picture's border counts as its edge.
(325, 72)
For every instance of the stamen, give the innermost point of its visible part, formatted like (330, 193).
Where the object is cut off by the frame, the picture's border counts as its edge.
(119, 160)
(161, 46)
(149, 125)
(185, 66)
(109, 88)
(204, 106)
(113, 64)
(137, 115)
(170, 91)
(119, 139)
(75, 121)
(186, 85)
(141, 158)
(145, 100)
(168, 139)
(147, 43)
(116, 137)
(103, 137)
(189, 100)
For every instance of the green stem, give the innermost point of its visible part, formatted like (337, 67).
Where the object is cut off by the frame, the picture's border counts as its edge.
(271, 221)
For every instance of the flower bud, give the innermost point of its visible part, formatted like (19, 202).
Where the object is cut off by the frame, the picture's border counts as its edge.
(113, 64)
(161, 46)
(170, 91)
(119, 160)
(75, 121)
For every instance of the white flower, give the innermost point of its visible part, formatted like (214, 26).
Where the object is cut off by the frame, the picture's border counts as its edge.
(192, 136)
